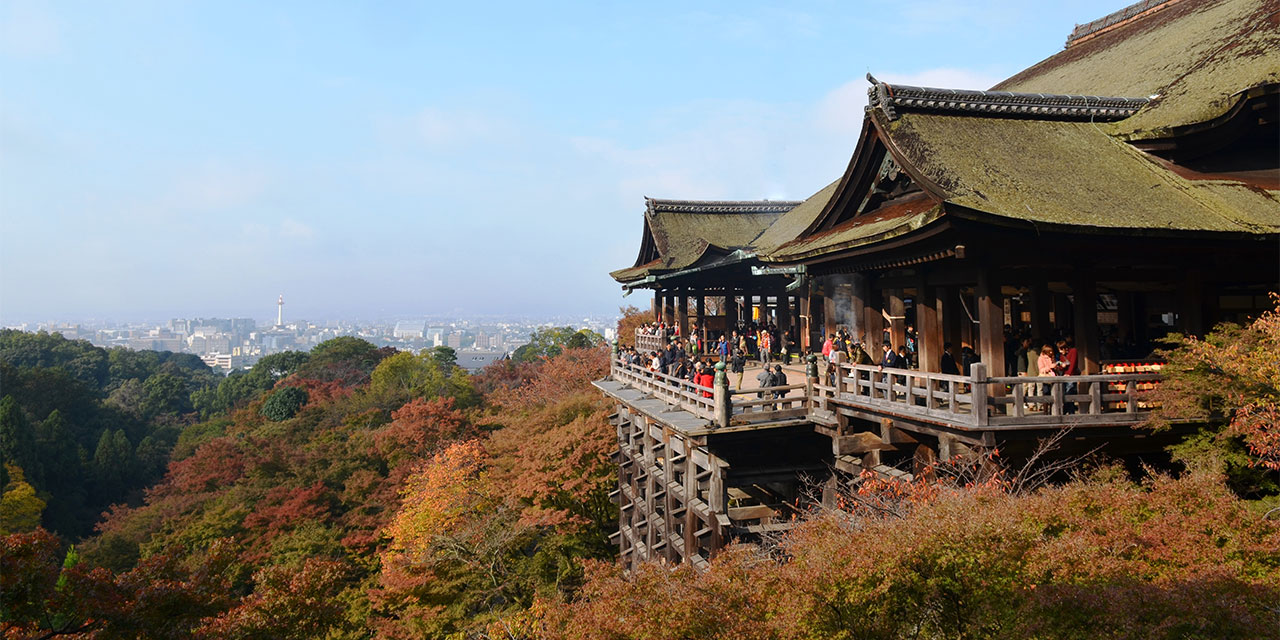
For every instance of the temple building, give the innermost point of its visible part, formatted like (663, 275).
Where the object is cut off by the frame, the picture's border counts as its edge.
(1123, 189)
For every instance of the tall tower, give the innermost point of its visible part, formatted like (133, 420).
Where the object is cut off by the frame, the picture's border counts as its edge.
(280, 311)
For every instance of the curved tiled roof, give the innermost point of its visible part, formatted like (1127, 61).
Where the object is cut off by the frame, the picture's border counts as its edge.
(679, 233)
(892, 98)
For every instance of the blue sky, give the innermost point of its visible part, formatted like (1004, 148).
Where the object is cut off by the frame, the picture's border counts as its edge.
(171, 159)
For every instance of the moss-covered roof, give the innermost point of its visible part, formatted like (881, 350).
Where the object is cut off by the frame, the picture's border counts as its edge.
(1069, 173)
(795, 221)
(679, 233)
(1195, 55)
(887, 222)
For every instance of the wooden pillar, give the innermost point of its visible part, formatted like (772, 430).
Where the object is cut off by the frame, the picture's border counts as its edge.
(929, 329)
(1124, 316)
(1061, 312)
(990, 324)
(949, 304)
(668, 308)
(897, 317)
(730, 311)
(968, 312)
(701, 310)
(873, 317)
(784, 320)
(829, 317)
(806, 323)
(682, 313)
(1086, 322)
(1140, 319)
(1191, 304)
(1040, 313)
(657, 305)
(859, 294)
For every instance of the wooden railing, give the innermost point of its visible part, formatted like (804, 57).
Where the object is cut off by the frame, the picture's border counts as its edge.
(975, 401)
(647, 343)
(1002, 401)
(937, 395)
(721, 405)
(696, 399)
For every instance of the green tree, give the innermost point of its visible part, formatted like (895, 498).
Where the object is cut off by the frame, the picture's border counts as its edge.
(444, 357)
(165, 393)
(17, 440)
(549, 342)
(284, 403)
(113, 464)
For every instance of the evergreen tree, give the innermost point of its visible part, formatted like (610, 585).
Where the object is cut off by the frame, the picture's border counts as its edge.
(112, 464)
(17, 442)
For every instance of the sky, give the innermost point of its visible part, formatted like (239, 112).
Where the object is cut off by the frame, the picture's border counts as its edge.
(394, 159)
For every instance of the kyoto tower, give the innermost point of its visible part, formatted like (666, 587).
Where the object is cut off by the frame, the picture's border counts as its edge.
(280, 311)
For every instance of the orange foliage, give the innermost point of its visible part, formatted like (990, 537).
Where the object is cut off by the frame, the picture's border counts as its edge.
(216, 465)
(419, 427)
(1102, 558)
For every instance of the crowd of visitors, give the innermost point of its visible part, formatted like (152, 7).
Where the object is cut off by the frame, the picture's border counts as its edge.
(692, 358)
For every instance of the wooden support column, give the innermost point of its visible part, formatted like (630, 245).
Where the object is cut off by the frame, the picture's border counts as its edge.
(682, 313)
(897, 317)
(949, 305)
(1061, 312)
(730, 311)
(1040, 314)
(1191, 304)
(668, 308)
(806, 324)
(1124, 316)
(929, 329)
(859, 297)
(829, 310)
(873, 316)
(991, 325)
(1086, 322)
(657, 305)
(784, 320)
(701, 311)
(967, 311)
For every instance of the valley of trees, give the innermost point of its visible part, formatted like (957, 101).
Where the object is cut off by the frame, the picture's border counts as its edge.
(357, 492)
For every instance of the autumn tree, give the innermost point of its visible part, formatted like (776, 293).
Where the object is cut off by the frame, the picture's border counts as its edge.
(1231, 380)
(20, 508)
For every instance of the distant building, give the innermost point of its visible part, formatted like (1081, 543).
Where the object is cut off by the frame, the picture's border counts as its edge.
(410, 329)
(474, 361)
(455, 341)
(223, 361)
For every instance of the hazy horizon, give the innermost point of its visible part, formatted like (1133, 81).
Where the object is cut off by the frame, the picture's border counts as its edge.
(163, 160)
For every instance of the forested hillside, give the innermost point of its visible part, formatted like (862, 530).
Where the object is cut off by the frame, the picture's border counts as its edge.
(85, 427)
(358, 492)
(348, 491)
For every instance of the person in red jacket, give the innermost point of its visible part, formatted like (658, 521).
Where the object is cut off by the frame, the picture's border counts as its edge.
(705, 378)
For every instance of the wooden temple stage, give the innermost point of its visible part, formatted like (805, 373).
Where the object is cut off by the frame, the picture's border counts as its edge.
(696, 471)
(1122, 190)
